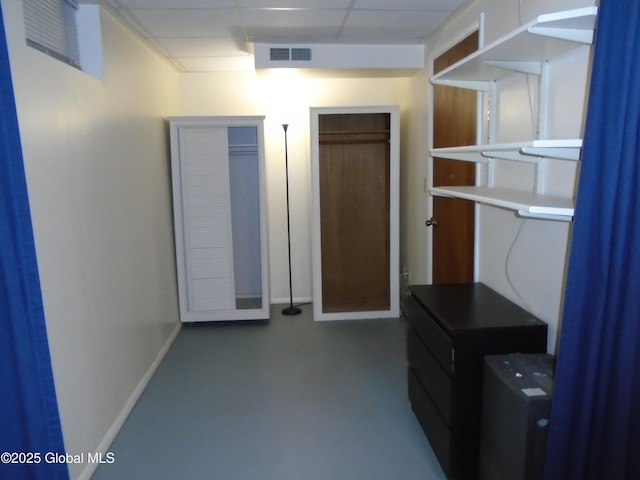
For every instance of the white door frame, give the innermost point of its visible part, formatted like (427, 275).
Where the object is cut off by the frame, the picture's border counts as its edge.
(394, 212)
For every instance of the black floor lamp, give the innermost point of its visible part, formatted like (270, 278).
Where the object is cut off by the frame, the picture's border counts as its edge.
(291, 309)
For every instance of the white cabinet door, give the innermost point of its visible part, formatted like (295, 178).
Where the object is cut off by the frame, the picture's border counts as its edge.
(206, 217)
(212, 159)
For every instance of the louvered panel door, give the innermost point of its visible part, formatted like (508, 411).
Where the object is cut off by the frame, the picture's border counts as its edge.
(217, 167)
(206, 214)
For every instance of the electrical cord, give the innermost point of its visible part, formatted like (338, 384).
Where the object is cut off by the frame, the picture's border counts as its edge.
(506, 265)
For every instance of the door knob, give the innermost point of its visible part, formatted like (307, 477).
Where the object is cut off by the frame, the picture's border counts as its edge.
(432, 222)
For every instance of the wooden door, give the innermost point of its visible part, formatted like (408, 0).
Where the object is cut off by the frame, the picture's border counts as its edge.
(354, 171)
(454, 124)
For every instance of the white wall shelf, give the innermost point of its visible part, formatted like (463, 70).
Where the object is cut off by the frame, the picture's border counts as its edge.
(523, 50)
(528, 152)
(526, 204)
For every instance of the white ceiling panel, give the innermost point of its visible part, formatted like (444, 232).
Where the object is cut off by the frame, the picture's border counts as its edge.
(196, 34)
(298, 26)
(297, 18)
(443, 5)
(392, 25)
(189, 22)
(177, 4)
(344, 4)
(204, 46)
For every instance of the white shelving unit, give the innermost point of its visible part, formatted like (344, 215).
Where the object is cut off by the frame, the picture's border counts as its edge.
(525, 203)
(525, 50)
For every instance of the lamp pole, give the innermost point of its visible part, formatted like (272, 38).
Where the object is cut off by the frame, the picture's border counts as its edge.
(291, 309)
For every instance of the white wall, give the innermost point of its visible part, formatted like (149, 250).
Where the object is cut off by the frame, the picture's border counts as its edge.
(525, 262)
(97, 168)
(285, 96)
(414, 243)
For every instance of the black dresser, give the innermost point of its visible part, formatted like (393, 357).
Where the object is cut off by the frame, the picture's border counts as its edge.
(450, 329)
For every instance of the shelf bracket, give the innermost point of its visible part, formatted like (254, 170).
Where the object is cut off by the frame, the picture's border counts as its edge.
(568, 153)
(474, 157)
(544, 216)
(534, 68)
(481, 86)
(579, 35)
(509, 155)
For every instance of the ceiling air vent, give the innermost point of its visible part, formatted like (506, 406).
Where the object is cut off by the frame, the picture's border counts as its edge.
(290, 54)
(301, 54)
(279, 54)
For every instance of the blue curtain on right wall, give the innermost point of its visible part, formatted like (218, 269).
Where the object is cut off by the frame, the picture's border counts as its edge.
(595, 416)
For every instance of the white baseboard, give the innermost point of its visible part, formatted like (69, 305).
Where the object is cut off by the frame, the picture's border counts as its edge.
(104, 445)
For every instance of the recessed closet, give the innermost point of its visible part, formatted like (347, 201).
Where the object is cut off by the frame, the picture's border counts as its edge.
(355, 177)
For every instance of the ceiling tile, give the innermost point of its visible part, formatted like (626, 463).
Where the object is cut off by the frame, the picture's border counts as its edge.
(298, 18)
(189, 22)
(178, 3)
(203, 46)
(444, 5)
(378, 26)
(325, 4)
(301, 26)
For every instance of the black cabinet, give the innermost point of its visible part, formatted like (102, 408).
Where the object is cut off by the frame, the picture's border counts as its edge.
(450, 329)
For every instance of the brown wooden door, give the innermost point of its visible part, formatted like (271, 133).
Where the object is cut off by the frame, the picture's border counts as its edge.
(354, 211)
(454, 124)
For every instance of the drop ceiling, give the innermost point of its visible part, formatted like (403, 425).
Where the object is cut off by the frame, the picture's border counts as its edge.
(219, 35)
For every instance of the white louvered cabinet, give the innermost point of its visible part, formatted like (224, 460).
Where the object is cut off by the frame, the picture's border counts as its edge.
(217, 169)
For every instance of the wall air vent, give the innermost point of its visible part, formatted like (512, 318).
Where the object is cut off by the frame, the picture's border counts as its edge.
(290, 54)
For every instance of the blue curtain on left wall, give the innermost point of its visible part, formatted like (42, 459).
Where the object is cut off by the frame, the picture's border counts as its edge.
(29, 419)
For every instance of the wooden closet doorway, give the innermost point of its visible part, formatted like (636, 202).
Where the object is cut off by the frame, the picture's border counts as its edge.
(454, 124)
(357, 215)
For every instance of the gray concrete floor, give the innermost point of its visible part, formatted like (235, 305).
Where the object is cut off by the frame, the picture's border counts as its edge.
(287, 399)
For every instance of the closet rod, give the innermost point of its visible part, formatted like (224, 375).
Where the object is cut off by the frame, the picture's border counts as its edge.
(352, 142)
(353, 132)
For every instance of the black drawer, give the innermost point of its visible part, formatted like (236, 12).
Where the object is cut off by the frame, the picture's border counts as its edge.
(436, 340)
(432, 423)
(434, 379)
(445, 391)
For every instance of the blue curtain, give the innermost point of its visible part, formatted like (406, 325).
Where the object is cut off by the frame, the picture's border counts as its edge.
(595, 418)
(29, 420)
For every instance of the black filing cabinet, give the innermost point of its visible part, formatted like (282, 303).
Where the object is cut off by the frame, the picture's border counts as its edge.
(516, 406)
(451, 328)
